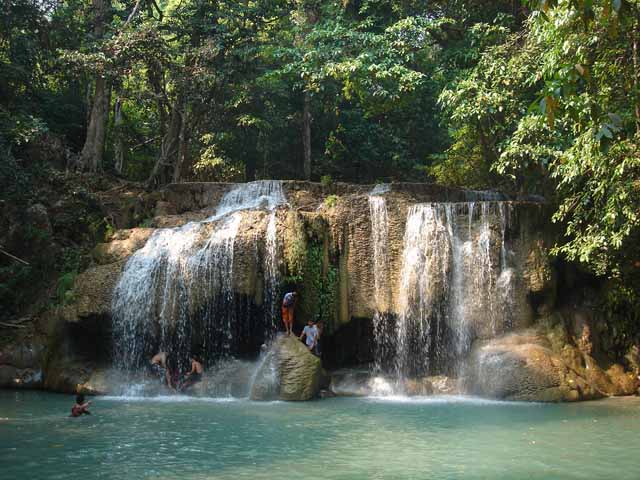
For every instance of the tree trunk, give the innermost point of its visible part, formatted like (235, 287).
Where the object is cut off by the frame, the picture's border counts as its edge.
(118, 142)
(311, 15)
(636, 69)
(155, 77)
(93, 149)
(181, 159)
(167, 163)
(306, 135)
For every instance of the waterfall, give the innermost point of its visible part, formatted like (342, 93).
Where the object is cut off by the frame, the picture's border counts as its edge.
(271, 276)
(424, 288)
(380, 233)
(176, 293)
(455, 285)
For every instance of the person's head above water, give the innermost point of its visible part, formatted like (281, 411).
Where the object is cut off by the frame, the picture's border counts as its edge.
(80, 399)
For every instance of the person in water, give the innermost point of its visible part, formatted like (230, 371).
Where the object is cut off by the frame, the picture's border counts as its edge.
(80, 407)
(310, 332)
(159, 365)
(194, 375)
(288, 306)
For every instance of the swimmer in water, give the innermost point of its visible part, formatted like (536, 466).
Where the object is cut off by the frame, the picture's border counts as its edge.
(80, 407)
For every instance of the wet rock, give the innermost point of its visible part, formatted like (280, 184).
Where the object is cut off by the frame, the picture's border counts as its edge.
(66, 376)
(443, 385)
(22, 356)
(266, 383)
(327, 394)
(165, 208)
(419, 387)
(539, 277)
(626, 383)
(92, 292)
(123, 245)
(12, 377)
(524, 366)
(633, 359)
(516, 367)
(299, 370)
(348, 383)
(288, 371)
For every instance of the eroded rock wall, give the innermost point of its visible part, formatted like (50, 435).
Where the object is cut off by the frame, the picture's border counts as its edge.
(325, 250)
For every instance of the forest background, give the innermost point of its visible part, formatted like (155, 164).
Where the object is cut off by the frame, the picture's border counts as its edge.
(540, 98)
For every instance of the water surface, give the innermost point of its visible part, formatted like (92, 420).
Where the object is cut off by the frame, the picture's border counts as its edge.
(342, 438)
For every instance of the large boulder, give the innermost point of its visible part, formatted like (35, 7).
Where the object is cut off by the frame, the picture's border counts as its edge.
(288, 371)
(266, 382)
(518, 367)
(299, 370)
(533, 365)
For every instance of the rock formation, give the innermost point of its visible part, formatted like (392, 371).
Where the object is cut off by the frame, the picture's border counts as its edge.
(451, 282)
(289, 372)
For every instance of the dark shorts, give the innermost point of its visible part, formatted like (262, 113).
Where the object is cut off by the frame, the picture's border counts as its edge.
(157, 370)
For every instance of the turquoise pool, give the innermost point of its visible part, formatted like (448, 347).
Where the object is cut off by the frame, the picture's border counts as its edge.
(341, 438)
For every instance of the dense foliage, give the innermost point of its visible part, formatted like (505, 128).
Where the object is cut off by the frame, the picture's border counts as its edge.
(539, 97)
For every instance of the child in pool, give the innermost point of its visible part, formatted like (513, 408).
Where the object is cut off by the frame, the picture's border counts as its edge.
(80, 407)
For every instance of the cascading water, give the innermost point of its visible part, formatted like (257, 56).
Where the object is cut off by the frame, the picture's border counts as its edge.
(380, 233)
(176, 293)
(455, 284)
(271, 276)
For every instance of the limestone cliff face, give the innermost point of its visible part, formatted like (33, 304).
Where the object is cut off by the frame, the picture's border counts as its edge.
(329, 246)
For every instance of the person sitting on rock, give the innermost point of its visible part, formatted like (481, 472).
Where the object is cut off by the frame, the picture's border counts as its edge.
(160, 369)
(80, 407)
(194, 376)
(288, 306)
(159, 365)
(310, 332)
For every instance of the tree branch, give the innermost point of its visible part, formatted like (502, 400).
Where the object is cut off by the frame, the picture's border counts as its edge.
(13, 256)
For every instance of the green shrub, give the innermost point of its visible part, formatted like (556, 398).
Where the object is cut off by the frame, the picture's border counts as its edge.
(64, 288)
(326, 181)
(331, 201)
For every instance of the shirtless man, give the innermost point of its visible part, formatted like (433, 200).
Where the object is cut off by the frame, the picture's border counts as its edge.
(159, 367)
(194, 376)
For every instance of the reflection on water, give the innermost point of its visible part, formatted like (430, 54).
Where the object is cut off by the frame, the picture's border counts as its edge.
(439, 437)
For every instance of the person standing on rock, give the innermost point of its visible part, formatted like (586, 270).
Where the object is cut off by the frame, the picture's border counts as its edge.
(311, 334)
(288, 306)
